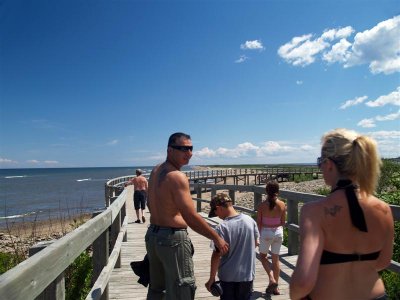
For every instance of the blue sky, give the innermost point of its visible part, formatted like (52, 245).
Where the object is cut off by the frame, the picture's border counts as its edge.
(104, 83)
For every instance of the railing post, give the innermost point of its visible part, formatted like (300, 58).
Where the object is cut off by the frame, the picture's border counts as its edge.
(100, 257)
(107, 195)
(56, 289)
(213, 192)
(257, 200)
(198, 195)
(293, 218)
(232, 196)
(123, 216)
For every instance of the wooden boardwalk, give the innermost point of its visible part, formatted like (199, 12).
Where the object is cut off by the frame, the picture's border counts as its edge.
(123, 282)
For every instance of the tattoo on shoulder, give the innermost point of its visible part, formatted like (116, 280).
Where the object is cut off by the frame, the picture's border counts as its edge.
(332, 210)
(163, 173)
(381, 208)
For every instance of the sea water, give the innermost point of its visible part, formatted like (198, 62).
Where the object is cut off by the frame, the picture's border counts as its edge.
(40, 194)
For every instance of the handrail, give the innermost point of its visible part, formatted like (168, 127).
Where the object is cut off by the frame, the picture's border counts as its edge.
(283, 172)
(31, 277)
(293, 199)
(34, 275)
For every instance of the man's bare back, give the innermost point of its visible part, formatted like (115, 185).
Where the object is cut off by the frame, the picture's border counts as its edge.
(140, 183)
(168, 195)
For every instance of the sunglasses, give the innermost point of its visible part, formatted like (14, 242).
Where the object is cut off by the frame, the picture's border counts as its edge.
(182, 148)
(321, 160)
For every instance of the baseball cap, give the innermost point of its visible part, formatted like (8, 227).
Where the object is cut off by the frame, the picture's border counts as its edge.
(218, 200)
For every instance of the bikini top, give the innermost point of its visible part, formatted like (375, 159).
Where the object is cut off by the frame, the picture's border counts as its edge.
(357, 219)
(271, 221)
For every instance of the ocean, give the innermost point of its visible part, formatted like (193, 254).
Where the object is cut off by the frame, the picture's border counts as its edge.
(41, 194)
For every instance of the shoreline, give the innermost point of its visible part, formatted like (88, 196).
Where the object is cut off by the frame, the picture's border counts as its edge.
(23, 235)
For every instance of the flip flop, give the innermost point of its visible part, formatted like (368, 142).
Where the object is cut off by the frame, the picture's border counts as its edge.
(276, 291)
(271, 288)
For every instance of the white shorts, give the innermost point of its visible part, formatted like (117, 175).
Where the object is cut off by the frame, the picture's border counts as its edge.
(271, 237)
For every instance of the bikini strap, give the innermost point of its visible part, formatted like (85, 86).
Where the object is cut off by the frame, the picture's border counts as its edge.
(356, 212)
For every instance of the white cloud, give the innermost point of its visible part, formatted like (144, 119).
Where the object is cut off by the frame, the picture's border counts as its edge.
(338, 53)
(367, 123)
(392, 98)
(301, 51)
(389, 117)
(353, 102)
(241, 59)
(252, 45)
(335, 34)
(379, 135)
(7, 161)
(248, 149)
(33, 161)
(112, 143)
(388, 142)
(206, 152)
(378, 47)
(51, 162)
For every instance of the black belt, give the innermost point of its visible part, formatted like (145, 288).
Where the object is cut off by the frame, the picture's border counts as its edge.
(156, 228)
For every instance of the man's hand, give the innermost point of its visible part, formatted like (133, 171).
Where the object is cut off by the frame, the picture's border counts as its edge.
(222, 246)
(209, 284)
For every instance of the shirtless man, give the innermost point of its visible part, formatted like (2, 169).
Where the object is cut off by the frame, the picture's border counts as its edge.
(171, 206)
(140, 193)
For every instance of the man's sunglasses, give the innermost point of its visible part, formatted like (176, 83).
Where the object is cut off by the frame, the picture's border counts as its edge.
(182, 148)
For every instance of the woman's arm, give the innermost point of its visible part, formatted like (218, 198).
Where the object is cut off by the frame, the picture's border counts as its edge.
(387, 251)
(283, 215)
(311, 245)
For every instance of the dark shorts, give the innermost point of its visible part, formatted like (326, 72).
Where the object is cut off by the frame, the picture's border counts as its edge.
(139, 199)
(236, 290)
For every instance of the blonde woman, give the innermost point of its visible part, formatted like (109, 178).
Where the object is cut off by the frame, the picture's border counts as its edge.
(347, 237)
(271, 216)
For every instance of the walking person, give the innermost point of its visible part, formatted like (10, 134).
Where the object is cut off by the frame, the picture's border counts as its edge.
(271, 217)
(236, 269)
(168, 245)
(140, 186)
(347, 237)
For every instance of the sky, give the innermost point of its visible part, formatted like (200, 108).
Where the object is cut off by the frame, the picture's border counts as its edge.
(104, 83)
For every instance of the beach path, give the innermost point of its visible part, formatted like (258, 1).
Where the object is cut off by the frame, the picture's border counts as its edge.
(123, 282)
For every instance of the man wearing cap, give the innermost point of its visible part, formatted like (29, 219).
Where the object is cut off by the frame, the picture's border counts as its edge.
(140, 186)
(172, 210)
(236, 269)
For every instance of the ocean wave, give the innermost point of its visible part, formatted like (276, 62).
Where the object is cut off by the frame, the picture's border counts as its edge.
(84, 179)
(10, 177)
(19, 216)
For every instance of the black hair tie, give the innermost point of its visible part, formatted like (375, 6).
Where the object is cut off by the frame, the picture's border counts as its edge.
(356, 212)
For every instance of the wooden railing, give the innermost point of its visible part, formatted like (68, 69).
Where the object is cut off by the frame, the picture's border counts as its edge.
(227, 172)
(42, 275)
(293, 199)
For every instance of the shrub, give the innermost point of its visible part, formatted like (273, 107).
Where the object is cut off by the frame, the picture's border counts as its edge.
(7, 261)
(78, 277)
